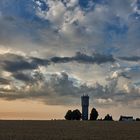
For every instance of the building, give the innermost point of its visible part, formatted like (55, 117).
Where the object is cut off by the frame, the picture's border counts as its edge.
(85, 105)
(126, 118)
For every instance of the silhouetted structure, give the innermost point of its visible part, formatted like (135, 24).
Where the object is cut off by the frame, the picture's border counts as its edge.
(137, 119)
(85, 105)
(126, 118)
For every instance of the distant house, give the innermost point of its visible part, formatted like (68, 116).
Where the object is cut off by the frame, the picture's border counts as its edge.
(126, 118)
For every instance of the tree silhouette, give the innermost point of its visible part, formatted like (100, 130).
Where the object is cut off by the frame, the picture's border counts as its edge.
(94, 114)
(73, 115)
(76, 115)
(68, 115)
(108, 118)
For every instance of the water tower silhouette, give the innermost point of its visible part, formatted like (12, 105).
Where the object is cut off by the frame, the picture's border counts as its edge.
(85, 105)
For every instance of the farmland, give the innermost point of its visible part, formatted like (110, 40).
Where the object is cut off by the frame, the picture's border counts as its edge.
(69, 130)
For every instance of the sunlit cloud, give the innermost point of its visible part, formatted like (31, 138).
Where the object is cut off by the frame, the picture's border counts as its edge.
(55, 51)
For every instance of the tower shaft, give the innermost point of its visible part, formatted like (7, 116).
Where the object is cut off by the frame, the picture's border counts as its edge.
(85, 105)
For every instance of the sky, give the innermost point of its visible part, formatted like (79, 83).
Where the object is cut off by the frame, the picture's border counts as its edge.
(54, 51)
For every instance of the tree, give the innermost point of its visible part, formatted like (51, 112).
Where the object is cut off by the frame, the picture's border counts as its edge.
(73, 115)
(108, 118)
(76, 115)
(68, 115)
(94, 114)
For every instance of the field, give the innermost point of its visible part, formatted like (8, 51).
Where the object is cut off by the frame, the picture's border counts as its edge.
(69, 130)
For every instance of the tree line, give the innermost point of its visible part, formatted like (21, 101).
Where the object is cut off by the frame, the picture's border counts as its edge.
(77, 115)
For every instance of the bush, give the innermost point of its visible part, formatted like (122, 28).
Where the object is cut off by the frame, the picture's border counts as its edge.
(108, 118)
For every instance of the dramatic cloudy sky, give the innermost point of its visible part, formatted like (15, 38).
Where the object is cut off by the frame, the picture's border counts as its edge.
(54, 51)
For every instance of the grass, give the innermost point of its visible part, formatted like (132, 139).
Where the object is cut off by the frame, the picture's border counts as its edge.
(69, 130)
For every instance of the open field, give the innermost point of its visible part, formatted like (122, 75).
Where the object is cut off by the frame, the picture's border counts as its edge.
(69, 130)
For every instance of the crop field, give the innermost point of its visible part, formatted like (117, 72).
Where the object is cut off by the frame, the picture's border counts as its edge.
(69, 130)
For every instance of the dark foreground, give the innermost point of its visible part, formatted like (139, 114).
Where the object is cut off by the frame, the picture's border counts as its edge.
(69, 130)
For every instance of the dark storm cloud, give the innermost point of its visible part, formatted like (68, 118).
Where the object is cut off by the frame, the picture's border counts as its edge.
(131, 58)
(22, 77)
(61, 59)
(84, 58)
(14, 63)
(39, 61)
(18, 65)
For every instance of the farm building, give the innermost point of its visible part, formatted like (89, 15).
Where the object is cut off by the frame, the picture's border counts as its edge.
(126, 118)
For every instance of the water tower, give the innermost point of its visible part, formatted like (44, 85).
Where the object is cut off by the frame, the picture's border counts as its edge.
(85, 104)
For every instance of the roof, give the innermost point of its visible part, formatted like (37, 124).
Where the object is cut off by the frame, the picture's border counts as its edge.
(127, 117)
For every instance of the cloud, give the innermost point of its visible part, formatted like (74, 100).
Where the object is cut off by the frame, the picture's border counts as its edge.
(83, 58)
(30, 78)
(72, 28)
(15, 63)
(4, 81)
(39, 61)
(61, 89)
(49, 32)
(119, 73)
(23, 77)
(132, 58)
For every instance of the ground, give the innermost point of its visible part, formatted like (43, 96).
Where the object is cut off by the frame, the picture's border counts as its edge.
(69, 130)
